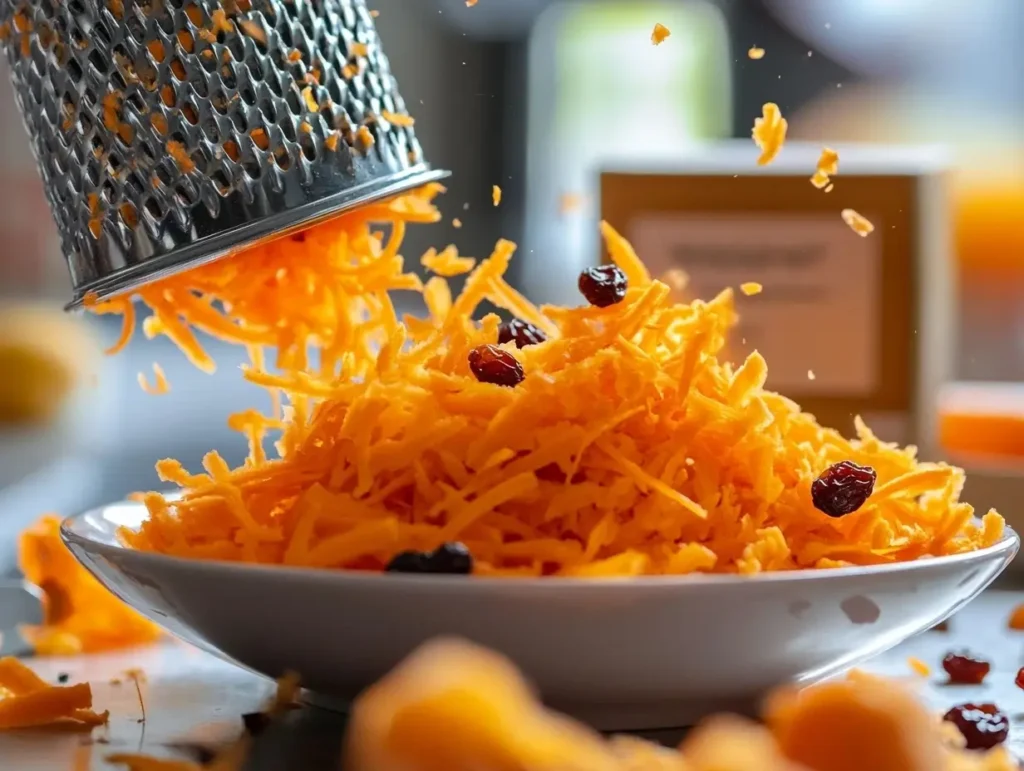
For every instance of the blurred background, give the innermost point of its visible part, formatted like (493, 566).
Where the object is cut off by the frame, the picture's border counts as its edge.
(569, 108)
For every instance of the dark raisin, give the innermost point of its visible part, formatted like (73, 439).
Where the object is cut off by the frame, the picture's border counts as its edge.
(63, 677)
(843, 488)
(255, 722)
(964, 669)
(452, 558)
(521, 332)
(1019, 680)
(490, 364)
(409, 562)
(942, 626)
(604, 285)
(983, 725)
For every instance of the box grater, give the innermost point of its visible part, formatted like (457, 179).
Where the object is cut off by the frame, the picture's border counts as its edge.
(171, 132)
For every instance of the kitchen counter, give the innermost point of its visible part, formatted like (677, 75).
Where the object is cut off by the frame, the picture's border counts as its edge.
(193, 700)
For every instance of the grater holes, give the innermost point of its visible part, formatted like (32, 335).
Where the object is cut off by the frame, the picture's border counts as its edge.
(92, 172)
(163, 174)
(178, 69)
(308, 146)
(185, 194)
(189, 113)
(133, 186)
(154, 209)
(148, 153)
(129, 215)
(294, 101)
(288, 129)
(136, 28)
(252, 167)
(163, 18)
(236, 45)
(238, 120)
(247, 95)
(208, 61)
(211, 130)
(98, 62)
(227, 76)
(220, 102)
(101, 33)
(194, 14)
(85, 122)
(135, 101)
(199, 85)
(107, 192)
(77, 8)
(74, 71)
(268, 109)
(221, 182)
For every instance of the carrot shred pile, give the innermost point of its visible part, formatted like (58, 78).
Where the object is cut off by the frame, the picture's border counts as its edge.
(452, 705)
(28, 701)
(80, 615)
(630, 448)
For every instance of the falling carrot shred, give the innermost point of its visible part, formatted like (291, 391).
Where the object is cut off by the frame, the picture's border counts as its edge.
(307, 96)
(755, 53)
(79, 614)
(751, 288)
(456, 222)
(253, 30)
(447, 263)
(828, 165)
(769, 133)
(919, 667)
(470, 3)
(397, 118)
(365, 137)
(331, 140)
(495, 194)
(569, 203)
(160, 387)
(660, 34)
(859, 224)
(1017, 618)
(358, 49)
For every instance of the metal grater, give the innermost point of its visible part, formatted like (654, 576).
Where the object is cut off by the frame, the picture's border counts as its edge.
(172, 132)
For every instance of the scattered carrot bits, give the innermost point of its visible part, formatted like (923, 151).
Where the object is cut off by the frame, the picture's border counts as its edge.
(253, 30)
(470, 3)
(447, 263)
(919, 667)
(755, 53)
(569, 203)
(79, 615)
(751, 288)
(1017, 618)
(358, 49)
(495, 195)
(660, 34)
(331, 140)
(308, 98)
(456, 222)
(180, 155)
(858, 224)
(365, 137)
(397, 119)
(160, 387)
(27, 701)
(452, 705)
(769, 133)
(828, 165)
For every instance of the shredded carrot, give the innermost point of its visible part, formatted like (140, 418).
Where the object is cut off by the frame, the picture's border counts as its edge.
(470, 3)
(660, 34)
(79, 615)
(358, 49)
(365, 137)
(769, 133)
(919, 667)
(570, 202)
(495, 195)
(160, 387)
(331, 141)
(397, 119)
(755, 53)
(180, 155)
(674, 462)
(307, 96)
(456, 222)
(828, 165)
(447, 263)
(751, 288)
(1017, 618)
(27, 701)
(858, 224)
(253, 30)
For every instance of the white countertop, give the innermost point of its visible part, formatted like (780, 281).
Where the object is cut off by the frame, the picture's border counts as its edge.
(192, 699)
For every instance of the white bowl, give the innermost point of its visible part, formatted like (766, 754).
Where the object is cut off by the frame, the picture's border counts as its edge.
(631, 654)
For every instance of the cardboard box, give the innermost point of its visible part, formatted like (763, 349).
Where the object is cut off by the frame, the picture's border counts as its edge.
(872, 318)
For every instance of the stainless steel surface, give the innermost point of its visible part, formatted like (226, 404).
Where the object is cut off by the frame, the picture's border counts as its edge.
(19, 604)
(170, 133)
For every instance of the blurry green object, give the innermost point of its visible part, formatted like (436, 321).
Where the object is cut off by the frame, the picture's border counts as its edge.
(601, 93)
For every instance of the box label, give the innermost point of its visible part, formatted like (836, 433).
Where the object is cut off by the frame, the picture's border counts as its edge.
(819, 311)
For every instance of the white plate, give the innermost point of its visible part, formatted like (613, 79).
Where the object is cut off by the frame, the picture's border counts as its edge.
(630, 654)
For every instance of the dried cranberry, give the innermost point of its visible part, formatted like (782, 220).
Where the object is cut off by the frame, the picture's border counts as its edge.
(942, 626)
(964, 669)
(522, 332)
(1019, 680)
(490, 364)
(843, 488)
(983, 725)
(604, 285)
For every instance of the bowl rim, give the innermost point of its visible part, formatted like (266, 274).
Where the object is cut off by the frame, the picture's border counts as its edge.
(1005, 548)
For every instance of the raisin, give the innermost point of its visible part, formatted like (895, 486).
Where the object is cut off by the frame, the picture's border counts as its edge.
(843, 488)
(964, 669)
(452, 558)
(603, 286)
(521, 332)
(1019, 680)
(983, 725)
(490, 364)
(409, 562)
(63, 677)
(942, 626)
